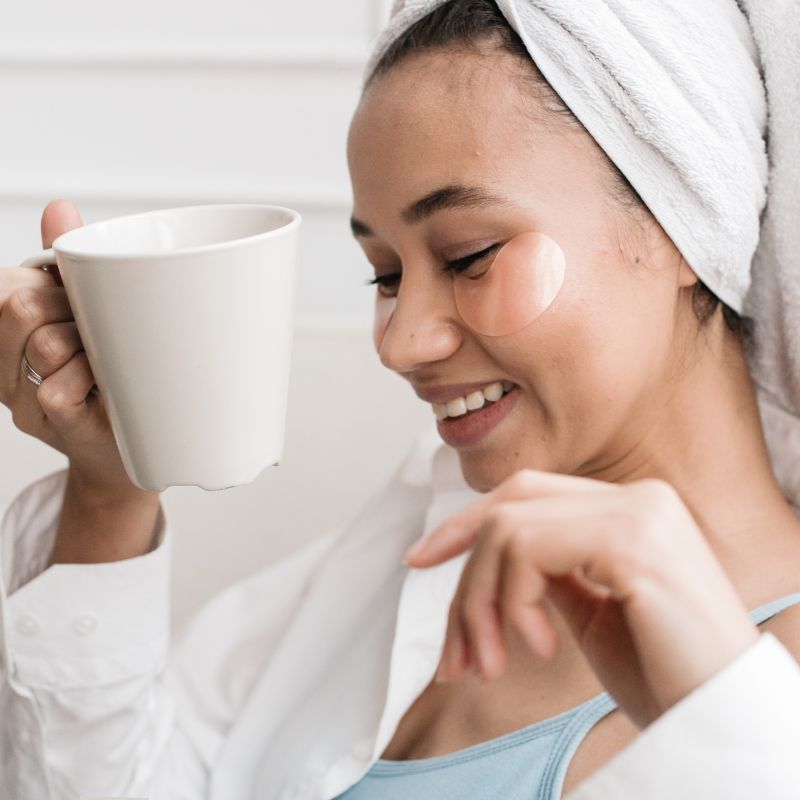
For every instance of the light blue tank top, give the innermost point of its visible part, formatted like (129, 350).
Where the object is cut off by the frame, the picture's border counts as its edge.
(527, 764)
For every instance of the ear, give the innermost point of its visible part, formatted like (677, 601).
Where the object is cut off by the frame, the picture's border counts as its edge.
(686, 275)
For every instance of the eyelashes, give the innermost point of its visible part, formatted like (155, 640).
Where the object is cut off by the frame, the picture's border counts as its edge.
(383, 281)
(459, 265)
(463, 264)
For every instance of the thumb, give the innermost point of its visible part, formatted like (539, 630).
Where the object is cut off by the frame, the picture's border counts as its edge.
(59, 216)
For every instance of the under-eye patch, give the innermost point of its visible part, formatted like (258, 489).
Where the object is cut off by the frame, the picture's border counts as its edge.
(518, 287)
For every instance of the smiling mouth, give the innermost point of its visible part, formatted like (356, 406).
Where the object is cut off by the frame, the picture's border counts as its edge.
(474, 401)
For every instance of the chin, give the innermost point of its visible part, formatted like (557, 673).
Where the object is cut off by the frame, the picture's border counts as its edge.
(482, 472)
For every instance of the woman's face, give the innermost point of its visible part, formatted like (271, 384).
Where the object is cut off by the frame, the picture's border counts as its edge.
(449, 155)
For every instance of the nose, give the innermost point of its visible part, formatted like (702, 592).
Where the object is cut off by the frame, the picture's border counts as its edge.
(421, 327)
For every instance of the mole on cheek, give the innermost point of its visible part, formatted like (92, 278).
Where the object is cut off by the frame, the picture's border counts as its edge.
(523, 281)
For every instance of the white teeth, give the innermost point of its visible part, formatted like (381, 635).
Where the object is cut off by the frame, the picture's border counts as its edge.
(475, 400)
(493, 391)
(457, 407)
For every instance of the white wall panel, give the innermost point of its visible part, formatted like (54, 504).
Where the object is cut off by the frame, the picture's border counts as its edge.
(185, 127)
(128, 107)
(333, 270)
(84, 22)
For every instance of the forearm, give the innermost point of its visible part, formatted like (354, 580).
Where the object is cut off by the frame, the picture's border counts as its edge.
(94, 528)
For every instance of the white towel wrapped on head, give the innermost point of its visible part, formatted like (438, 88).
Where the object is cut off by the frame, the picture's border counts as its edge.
(773, 300)
(698, 105)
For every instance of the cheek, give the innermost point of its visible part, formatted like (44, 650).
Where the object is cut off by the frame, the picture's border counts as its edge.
(521, 284)
(384, 308)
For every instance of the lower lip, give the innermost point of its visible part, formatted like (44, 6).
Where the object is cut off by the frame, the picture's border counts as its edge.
(469, 429)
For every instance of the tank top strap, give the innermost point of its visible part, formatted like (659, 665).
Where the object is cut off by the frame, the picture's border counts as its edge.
(593, 710)
(769, 610)
(587, 716)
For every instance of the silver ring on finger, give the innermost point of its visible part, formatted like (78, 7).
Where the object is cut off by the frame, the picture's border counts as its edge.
(29, 372)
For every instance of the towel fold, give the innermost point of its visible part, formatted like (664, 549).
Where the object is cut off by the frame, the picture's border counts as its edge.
(773, 300)
(698, 105)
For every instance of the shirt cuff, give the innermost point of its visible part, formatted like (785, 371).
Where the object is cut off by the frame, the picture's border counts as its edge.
(735, 736)
(78, 625)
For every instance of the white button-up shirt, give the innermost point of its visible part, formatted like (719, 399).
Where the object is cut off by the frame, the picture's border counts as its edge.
(290, 684)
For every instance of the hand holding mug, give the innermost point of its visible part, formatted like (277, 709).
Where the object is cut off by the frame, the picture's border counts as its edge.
(186, 318)
(36, 321)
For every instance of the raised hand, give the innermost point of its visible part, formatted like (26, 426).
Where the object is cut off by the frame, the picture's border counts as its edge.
(625, 564)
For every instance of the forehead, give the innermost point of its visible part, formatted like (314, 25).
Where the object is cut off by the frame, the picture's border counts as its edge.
(442, 114)
(446, 118)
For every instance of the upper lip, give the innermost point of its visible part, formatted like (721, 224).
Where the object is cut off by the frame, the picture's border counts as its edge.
(450, 391)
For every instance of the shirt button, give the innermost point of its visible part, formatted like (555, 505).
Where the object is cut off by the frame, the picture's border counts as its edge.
(363, 749)
(28, 625)
(84, 624)
(24, 737)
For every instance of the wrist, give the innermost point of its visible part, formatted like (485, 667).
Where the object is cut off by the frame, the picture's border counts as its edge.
(102, 523)
(92, 494)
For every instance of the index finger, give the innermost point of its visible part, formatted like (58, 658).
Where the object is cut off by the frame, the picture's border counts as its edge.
(13, 279)
(458, 532)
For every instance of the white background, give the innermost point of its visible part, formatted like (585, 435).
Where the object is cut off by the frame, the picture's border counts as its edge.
(125, 107)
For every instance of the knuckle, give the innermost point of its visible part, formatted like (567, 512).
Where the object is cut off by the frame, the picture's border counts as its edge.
(26, 305)
(656, 493)
(47, 345)
(16, 419)
(634, 541)
(517, 546)
(21, 418)
(522, 480)
(50, 398)
(497, 518)
(656, 503)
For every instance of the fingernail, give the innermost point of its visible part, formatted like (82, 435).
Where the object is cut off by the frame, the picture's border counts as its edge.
(415, 549)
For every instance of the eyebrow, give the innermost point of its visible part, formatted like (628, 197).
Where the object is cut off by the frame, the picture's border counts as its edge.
(453, 196)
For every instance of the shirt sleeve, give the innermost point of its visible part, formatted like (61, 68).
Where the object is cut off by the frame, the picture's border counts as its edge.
(94, 700)
(735, 737)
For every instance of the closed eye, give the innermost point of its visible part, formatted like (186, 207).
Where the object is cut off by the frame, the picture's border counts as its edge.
(387, 284)
(462, 264)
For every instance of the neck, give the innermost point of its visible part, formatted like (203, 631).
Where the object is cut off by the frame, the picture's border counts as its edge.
(706, 440)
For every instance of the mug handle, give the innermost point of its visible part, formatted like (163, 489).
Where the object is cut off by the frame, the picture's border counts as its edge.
(42, 260)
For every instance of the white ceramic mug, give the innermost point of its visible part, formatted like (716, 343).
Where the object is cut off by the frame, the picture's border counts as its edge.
(186, 316)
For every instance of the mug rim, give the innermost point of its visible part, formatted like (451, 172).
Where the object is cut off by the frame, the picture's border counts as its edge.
(291, 224)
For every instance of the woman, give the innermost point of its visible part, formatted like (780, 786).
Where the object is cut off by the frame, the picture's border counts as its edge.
(623, 519)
